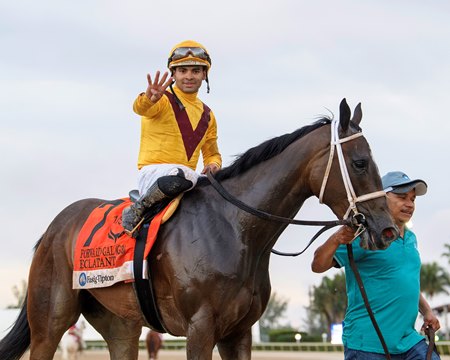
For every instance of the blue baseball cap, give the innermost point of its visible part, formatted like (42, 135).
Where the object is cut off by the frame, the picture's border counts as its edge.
(400, 183)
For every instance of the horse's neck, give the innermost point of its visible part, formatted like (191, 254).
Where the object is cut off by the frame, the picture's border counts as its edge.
(278, 186)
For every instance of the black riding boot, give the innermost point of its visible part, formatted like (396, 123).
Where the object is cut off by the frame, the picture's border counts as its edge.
(166, 187)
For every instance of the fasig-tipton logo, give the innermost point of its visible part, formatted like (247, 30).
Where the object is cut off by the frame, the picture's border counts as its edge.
(82, 279)
(96, 279)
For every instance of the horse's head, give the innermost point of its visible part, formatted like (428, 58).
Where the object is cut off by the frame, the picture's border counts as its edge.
(351, 184)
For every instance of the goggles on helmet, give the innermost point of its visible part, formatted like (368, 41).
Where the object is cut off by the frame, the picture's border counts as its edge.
(184, 52)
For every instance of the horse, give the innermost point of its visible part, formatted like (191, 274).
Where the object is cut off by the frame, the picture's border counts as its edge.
(72, 342)
(210, 264)
(153, 342)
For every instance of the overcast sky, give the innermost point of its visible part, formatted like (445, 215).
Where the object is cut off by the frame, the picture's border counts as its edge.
(69, 73)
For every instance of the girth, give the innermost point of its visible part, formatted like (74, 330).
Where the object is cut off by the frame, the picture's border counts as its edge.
(144, 289)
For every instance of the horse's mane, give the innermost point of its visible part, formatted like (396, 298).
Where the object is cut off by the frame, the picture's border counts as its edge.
(263, 152)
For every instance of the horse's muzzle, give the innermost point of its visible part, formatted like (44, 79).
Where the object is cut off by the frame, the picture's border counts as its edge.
(370, 240)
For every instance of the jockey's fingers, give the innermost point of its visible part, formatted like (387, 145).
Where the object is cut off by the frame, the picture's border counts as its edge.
(156, 82)
(149, 80)
(167, 83)
(164, 77)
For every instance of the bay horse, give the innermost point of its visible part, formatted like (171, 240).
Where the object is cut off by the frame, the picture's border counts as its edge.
(210, 265)
(153, 342)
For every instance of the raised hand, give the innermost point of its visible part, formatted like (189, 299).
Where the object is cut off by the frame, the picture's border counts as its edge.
(155, 89)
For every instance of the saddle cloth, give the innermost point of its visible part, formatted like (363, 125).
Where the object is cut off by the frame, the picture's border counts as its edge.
(104, 253)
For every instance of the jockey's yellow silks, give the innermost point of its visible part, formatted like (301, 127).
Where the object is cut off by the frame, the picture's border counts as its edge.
(161, 138)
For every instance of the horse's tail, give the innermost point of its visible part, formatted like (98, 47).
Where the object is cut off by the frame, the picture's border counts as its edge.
(17, 341)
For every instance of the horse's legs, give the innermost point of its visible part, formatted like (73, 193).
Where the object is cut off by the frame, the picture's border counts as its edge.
(201, 336)
(151, 346)
(46, 334)
(121, 335)
(52, 304)
(237, 347)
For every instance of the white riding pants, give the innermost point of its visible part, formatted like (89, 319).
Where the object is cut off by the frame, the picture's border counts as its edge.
(150, 173)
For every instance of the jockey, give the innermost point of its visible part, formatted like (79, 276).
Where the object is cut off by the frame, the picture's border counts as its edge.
(175, 127)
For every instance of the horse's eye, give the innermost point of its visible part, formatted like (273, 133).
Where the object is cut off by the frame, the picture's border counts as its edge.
(359, 165)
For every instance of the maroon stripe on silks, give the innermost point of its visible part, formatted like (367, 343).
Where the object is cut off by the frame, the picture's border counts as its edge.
(191, 137)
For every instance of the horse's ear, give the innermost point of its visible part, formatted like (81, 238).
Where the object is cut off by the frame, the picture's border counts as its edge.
(357, 114)
(344, 114)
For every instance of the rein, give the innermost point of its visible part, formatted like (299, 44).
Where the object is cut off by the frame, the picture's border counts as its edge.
(358, 218)
(429, 331)
(366, 300)
(266, 216)
(431, 345)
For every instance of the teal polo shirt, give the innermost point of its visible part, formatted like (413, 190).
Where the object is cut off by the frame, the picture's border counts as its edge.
(391, 278)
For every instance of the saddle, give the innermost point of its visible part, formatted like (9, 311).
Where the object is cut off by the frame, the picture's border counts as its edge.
(105, 254)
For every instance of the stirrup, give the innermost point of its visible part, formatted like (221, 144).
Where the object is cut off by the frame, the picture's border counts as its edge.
(131, 232)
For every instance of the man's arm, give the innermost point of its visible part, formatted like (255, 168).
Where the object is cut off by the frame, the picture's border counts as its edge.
(212, 160)
(324, 254)
(429, 319)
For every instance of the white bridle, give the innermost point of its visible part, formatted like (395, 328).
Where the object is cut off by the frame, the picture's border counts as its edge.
(351, 195)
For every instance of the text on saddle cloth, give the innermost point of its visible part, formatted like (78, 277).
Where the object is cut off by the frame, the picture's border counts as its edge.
(104, 252)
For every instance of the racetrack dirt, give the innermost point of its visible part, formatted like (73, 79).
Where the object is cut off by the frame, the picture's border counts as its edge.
(256, 355)
(180, 355)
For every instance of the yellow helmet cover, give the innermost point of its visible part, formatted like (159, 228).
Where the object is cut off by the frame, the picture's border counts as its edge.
(189, 53)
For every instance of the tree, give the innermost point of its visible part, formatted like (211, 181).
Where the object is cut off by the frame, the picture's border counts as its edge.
(447, 253)
(434, 279)
(328, 302)
(272, 316)
(315, 323)
(20, 292)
